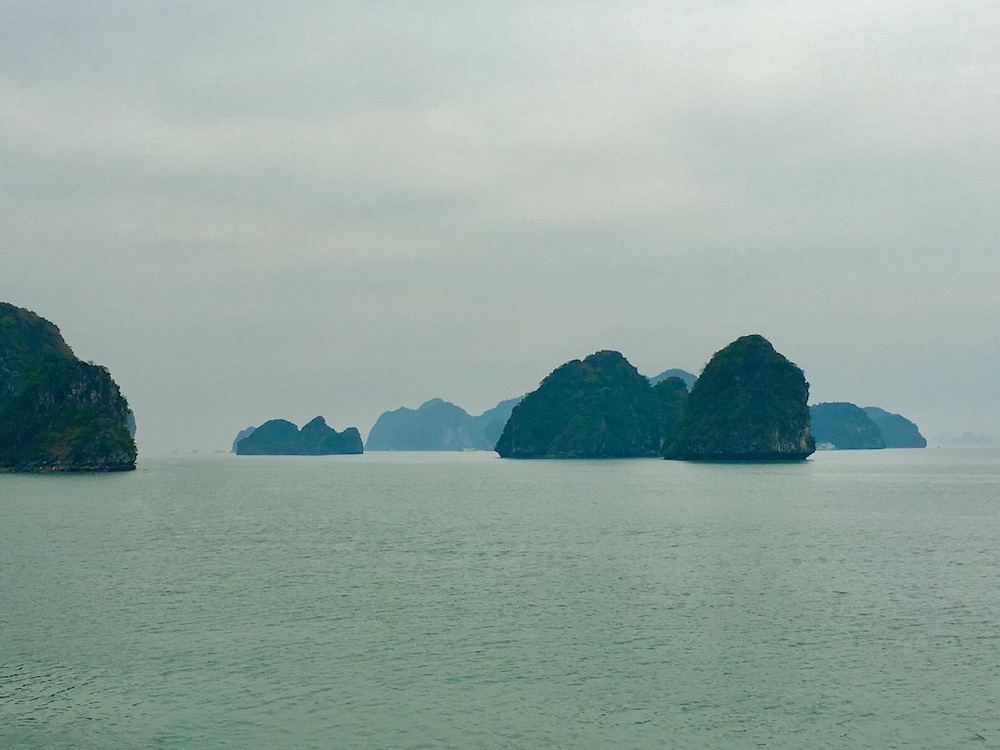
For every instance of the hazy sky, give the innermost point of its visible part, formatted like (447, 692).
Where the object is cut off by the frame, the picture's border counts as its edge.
(253, 210)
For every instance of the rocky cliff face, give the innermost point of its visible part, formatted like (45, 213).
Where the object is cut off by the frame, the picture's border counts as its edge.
(600, 407)
(279, 437)
(749, 404)
(56, 412)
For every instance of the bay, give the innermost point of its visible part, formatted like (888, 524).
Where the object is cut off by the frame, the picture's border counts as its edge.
(463, 601)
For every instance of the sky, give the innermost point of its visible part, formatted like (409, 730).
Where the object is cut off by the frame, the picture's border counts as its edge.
(249, 211)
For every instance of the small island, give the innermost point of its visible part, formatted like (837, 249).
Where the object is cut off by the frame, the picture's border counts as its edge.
(279, 437)
(57, 413)
(749, 404)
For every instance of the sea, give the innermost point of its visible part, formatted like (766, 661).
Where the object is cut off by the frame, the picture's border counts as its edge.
(460, 600)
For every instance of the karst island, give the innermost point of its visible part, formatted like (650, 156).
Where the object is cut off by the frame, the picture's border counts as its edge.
(57, 413)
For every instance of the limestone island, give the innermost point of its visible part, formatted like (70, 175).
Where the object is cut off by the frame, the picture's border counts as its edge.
(600, 407)
(845, 426)
(749, 404)
(897, 430)
(57, 413)
(279, 437)
(841, 425)
(438, 425)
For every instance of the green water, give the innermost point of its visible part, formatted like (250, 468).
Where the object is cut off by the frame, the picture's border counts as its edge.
(463, 601)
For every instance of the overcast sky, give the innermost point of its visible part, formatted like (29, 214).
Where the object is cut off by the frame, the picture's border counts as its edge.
(258, 210)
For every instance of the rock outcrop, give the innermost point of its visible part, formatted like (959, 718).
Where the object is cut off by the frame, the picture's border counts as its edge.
(844, 426)
(279, 437)
(600, 407)
(749, 404)
(57, 413)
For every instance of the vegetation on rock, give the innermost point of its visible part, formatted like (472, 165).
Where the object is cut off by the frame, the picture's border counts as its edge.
(56, 412)
(279, 437)
(600, 407)
(27, 343)
(750, 403)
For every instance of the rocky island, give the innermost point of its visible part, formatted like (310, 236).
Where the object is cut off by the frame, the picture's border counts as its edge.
(600, 407)
(749, 404)
(57, 413)
(845, 426)
(841, 425)
(897, 430)
(438, 425)
(279, 437)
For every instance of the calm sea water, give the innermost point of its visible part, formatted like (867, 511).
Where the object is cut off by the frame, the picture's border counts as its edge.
(464, 601)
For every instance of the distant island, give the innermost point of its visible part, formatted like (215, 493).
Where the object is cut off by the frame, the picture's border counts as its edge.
(598, 407)
(897, 430)
(846, 426)
(279, 437)
(438, 425)
(749, 404)
(246, 432)
(674, 372)
(967, 439)
(57, 413)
